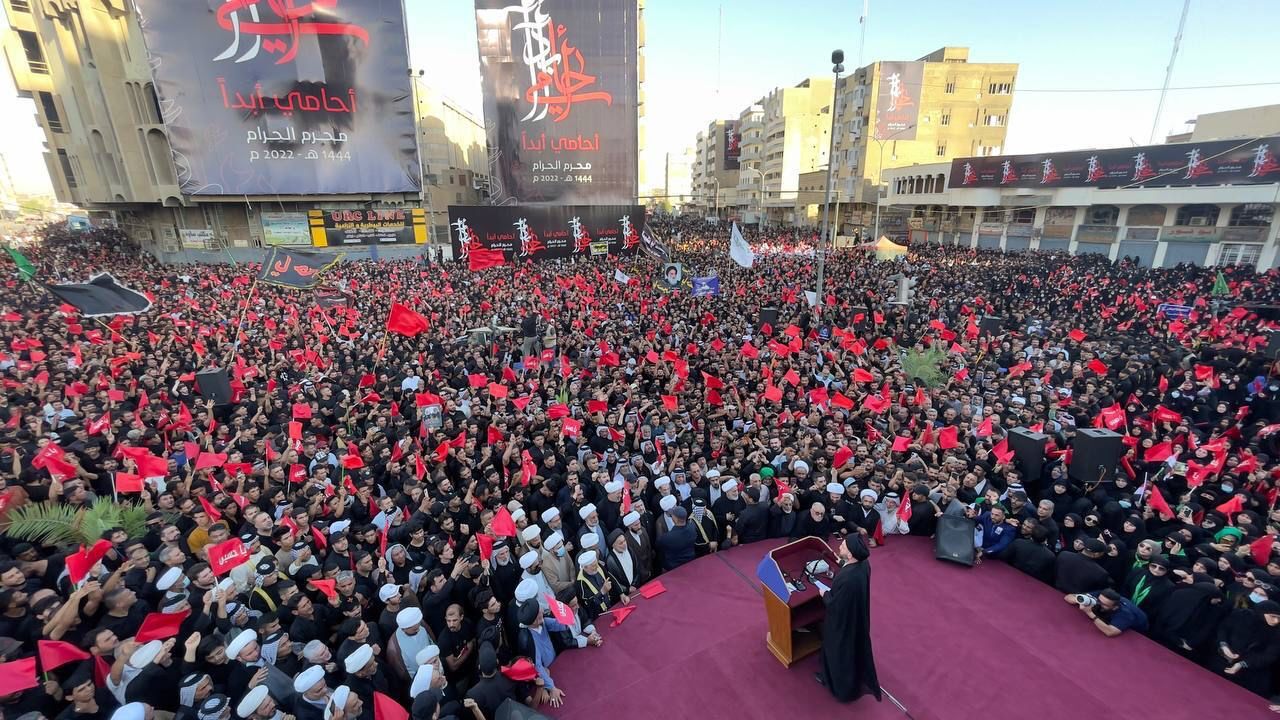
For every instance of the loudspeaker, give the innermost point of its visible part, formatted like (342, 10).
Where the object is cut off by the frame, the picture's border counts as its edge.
(989, 325)
(953, 540)
(1094, 455)
(768, 315)
(1273, 345)
(214, 384)
(1028, 453)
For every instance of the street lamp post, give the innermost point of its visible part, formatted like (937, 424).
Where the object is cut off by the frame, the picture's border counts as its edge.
(837, 57)
(760, 201)
(716, 202)
(880, 177)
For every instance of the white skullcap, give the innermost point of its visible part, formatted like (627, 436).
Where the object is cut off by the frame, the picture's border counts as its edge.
(835, 489)
(339, 700)
(427, 654)
(528, 559)
(169, 578)
(868, 493)
(238, 643)
(553, 540)
(713, 473)
(145, 655)
(308, 679)
(526, 590)
(613, 486)
(132, 711)
(408, 617)
(731, 485)
(529, 533)
(358, 658)
(586, 558)
(801, 466)
(589, 540)
(518, 515)
(662, 482)
(339, 526)
(422, 680)
(314, 650)
(586, 510)
(249, 705)
(631, 518)
(388, 591)
(551, 514)
(667, 502)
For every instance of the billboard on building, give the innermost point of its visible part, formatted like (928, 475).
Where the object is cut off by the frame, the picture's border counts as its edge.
(898, 100)
(560, 99)
(732, 145)
(370, 226)
(1222, 162)
(285, 228)
(546, 232)
(283, 98)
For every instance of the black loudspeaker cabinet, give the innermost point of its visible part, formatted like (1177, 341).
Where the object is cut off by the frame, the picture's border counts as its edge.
(1028, 453)
(953, 540)
(1094, 455)
(989, 325)
(768, 316)
(214, 384)
(1273, 345)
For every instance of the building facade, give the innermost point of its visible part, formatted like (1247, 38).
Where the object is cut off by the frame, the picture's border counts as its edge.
(1158, 226)
(713, 187)
(962, 109)
(455, 159)
(795, 134)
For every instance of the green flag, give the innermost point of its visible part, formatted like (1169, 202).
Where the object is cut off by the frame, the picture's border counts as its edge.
(25, 268)
(1220, 285)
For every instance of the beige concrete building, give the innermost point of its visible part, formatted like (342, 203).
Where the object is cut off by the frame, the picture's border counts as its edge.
(676, 189)
(795, 128)
(455, 160)
(711, 183)
(1262, 121)
(963, 110)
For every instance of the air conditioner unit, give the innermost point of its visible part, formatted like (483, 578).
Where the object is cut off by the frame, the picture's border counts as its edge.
(1199, 221)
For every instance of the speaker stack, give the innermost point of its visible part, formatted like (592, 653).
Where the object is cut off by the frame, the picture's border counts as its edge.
(1028, 454)
(1095, 454)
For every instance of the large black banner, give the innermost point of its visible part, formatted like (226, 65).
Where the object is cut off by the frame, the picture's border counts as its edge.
(546, 232)
(294, 268)
(898, 100)
(284, 97)
(732, 145)
(560, 99)
(1222, 162)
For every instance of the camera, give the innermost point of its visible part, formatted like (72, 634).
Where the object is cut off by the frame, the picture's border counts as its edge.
(1084, 600)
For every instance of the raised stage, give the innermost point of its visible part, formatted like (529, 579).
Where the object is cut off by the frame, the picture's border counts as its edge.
(951, 643)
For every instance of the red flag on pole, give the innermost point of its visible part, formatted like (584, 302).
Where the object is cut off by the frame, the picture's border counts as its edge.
(479, 259)
(1159, 504)
(404, 321)
(1261, 549)
(226, 556)
(384, 708)
(503, 525)
(17, 676)
(56, 653)
(159, 626)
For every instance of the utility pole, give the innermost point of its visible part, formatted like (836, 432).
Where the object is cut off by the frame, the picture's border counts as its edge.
(1168, 72)
(837, 58)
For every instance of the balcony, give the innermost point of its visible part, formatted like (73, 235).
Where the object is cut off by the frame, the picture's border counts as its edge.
(22, 6)
(38, 67)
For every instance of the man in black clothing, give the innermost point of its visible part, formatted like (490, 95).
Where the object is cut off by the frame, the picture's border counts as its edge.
(1030, 553)
(752, 524)
(1080, 572)
(848, 663)
(493, 688)
(675, 547)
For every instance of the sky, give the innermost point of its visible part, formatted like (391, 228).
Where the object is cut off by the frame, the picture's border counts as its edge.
(699, 68)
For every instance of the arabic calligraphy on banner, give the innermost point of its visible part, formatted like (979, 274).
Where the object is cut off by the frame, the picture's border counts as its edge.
(284, 96)
(560, 99)
(546, 232)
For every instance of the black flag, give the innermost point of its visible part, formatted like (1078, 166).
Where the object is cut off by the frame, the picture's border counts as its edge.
(294, 268)
(102, 295)
(653, 247)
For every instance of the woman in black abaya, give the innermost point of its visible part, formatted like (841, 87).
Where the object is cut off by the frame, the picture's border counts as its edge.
(848, 665)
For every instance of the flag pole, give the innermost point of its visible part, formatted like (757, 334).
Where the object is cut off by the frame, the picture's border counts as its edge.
(235, 345)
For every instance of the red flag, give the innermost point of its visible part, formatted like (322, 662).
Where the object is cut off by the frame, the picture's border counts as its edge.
(485, 542)
(792, 377)
(503, 525)
(1261, 549)
(1077, 335)
(878, 535)
(327, 587)
(480, 259)
(17, 676)
(904, 508)
(80, 562)
(384, 708)
(1163, 414)
(419, 468)
(749, 351)
(1164, 384)
(1232, 506)
(209, 509)
(984, 428)
(55, 653)
(948, 438)
(128, 483)
(405, 321)
(1158, 453)
(382, 537)
(842, 401)
(561, 612)
(652, 589)
(669, 402)
(1098, 366)
(901, 443)
(1158, 504)
(210, 460)
(159, 626)
(226, 556)
(520, 671)
(620, 614)
(843, 455)
(862, 376)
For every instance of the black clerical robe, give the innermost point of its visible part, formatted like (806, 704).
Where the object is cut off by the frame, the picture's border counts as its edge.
(848, 666)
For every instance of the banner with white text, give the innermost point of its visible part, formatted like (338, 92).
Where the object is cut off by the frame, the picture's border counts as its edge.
(560, 99)
(546, 232)
(263, 98)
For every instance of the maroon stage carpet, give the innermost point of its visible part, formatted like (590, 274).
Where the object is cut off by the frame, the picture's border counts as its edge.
(951, 643)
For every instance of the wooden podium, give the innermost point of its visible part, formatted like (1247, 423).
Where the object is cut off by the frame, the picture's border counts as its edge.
(791, 600)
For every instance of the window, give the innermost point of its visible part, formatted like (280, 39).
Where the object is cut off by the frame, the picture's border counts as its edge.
(951, 87)
(1024, 216)
(946, 117)
(1251, 215)
(35, 56)
(942, 150)
(153, 104)
(50, 109)
(994, 121)
(1239, 254)
(65, 162)
(999, 88)
(458, 197)
(1149, 215)
(1102, 215)
(1197, 215)
(988, 151)
(20, 5)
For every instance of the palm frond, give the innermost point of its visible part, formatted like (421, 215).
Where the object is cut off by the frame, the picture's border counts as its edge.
(133, 518)
(45, 523)
(925, 367)
(99, 518)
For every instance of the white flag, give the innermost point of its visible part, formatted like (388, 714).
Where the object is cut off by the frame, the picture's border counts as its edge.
(621, 277)
(812, 297)
(739, 250)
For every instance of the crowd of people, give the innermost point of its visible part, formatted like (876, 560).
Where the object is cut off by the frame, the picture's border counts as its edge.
(429, 520)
